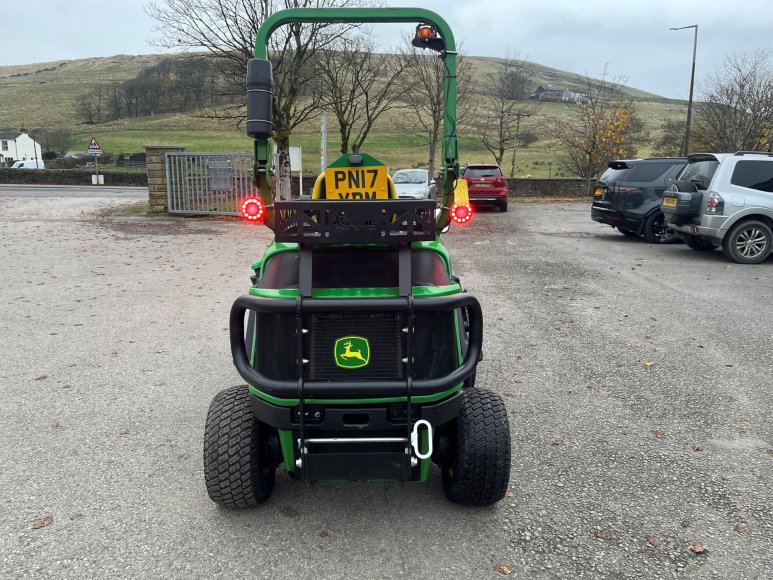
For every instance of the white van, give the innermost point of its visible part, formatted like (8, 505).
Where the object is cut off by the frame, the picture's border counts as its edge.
(29, 164)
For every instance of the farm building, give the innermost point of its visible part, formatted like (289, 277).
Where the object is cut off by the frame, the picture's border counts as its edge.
(18, 146)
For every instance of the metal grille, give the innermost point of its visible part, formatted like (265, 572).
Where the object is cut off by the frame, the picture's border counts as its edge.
(383, 334)
(208, 183)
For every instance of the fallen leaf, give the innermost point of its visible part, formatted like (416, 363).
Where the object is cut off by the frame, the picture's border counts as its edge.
(289, 511)
(647, 337)
(627, 345)
(697, 448)
(502, 569)
(509, 494)
(740, 528)
(648, 363)
(42, 522)
(657, 542)
(660, 435)
(770, 452)
(123, 432)
(56, 425)
(324, 534)
(41, 378)
(685, 524)
(697, 547)
(557, 441)
(728, 365)
(602, 535)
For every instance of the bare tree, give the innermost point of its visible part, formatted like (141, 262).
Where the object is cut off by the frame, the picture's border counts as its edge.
(358, 87)
(227, 29)
(604, 127)
(424, 94)
(735, 110)
(60, 139)
(500, 118)
(671, 143)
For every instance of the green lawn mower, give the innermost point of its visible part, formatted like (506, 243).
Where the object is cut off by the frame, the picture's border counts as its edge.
(357, 343)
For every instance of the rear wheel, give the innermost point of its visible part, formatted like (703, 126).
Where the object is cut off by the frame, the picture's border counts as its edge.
(698, 244)
(748, 242)
(477, 469)
(238, 470)
(503, 206)
(628, 233)
(656, 231)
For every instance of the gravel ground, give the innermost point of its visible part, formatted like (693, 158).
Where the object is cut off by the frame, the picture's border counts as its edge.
(637, 380)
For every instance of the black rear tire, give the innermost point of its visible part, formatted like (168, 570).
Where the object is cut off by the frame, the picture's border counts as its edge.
(503, 206)
(698, 244)
(477, 471)
(656, 231)
(237, 468)
(628, 233)
(748, 242)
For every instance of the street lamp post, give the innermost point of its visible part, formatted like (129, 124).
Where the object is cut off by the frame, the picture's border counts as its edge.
(686, 146)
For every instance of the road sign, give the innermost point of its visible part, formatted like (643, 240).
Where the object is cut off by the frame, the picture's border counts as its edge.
(94, 146)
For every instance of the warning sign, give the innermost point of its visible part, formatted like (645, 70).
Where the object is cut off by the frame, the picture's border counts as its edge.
(94, 146)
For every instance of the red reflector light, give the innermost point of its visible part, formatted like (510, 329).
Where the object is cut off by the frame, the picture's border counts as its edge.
(461, 214)
(252, 209)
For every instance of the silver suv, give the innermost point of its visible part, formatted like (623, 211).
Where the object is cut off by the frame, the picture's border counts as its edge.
(724, 200)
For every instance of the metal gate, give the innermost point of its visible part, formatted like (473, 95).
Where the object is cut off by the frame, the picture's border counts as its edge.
(208, 183)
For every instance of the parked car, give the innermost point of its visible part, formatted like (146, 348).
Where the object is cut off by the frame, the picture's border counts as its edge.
(412, 183)
(724, 200)
(29, 164)
(628, 193)
(486, 184)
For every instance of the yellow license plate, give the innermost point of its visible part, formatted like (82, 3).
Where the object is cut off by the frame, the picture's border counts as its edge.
(481, 184)
(599, 192)
(356, 183)
(669, 201)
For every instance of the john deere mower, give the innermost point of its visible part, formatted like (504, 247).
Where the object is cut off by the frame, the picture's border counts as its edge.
(357, 343)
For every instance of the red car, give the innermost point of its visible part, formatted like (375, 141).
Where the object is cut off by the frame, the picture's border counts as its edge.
(486, 184)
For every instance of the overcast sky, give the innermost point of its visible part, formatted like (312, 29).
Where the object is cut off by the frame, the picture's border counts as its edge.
(631, 37)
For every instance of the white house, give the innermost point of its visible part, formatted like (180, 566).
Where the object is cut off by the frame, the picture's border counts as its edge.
(18, 146)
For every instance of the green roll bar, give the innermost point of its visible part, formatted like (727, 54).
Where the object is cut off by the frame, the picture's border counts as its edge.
(449, 172)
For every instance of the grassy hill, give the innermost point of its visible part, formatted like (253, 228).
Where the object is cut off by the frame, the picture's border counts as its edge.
(45, 95)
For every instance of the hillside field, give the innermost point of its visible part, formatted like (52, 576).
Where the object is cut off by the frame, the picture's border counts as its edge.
(46, 96)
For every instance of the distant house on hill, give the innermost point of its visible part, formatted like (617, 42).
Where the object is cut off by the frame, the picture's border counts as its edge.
(549, 93)
(18, 146)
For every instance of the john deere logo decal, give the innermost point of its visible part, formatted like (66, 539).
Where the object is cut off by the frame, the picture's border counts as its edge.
(352, 352)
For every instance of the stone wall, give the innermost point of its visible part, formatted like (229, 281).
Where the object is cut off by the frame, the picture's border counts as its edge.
(156, 164)
(546, 188)
(70, 177)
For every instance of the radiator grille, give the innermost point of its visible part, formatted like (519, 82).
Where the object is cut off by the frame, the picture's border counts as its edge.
(383, 332)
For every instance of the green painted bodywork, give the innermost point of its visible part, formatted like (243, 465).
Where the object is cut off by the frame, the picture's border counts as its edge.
(449, 173)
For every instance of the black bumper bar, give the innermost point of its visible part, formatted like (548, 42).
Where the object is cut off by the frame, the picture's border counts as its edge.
(360, 389)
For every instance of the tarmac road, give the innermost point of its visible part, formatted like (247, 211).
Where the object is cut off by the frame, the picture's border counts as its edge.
(114, 341)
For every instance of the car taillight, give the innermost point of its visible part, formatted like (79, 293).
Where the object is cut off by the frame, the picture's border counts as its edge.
(461, 214)
(502, 180)
(614, 189)
(715, 203)
(253, 210)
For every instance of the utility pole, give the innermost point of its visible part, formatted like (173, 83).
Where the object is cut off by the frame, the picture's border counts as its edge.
(686, 144)
(515, 142)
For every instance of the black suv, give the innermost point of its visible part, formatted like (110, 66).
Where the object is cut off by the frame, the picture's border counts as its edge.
(628, 195)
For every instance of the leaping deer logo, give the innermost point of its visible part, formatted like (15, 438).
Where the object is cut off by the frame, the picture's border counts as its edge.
(352, 352)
